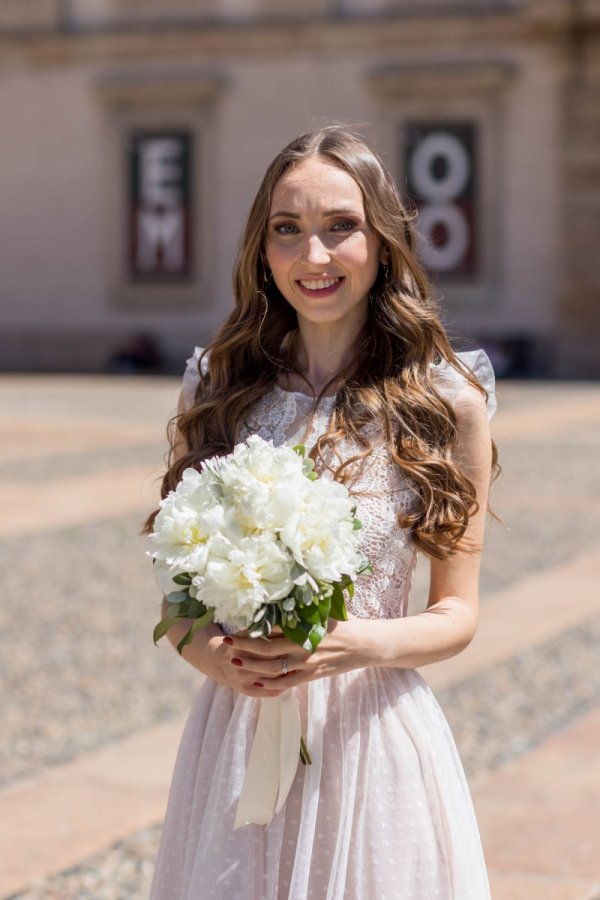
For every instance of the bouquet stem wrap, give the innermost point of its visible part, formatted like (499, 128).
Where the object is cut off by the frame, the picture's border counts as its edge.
(273, 760)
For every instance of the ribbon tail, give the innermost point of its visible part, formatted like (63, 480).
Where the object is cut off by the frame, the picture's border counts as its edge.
(273, 761)
(291, 732)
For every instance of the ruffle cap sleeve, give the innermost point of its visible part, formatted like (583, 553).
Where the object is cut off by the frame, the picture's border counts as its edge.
(449, 380)
(191, 376)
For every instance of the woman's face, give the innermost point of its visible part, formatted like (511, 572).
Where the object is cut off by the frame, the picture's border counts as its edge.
(322, 252)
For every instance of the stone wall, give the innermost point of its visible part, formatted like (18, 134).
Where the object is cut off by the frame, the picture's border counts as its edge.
(78, 78)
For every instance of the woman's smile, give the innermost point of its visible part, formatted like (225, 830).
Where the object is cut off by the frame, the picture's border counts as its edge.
(320, 287)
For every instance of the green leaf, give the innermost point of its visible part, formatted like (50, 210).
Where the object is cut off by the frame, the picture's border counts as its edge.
(185, 640)
(195, 609)
(182, 578)
(338, 605)
(357, 524)
(174, 609)
(309, 614)
(324, 609)
(202, 622)
(300, 449)
(163, 626)
(299, 634)
(316, 635)
(178, 597)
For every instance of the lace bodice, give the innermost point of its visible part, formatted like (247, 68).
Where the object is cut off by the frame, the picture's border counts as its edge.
(381, 489)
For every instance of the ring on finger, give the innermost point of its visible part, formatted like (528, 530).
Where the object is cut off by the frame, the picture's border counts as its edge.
(284, 665)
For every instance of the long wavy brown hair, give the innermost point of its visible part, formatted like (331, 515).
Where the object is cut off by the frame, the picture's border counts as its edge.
(389, 382)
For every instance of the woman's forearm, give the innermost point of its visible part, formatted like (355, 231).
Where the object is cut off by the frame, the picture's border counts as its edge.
(441, 631)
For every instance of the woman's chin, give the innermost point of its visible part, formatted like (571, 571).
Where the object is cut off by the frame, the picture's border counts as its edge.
(331, 317)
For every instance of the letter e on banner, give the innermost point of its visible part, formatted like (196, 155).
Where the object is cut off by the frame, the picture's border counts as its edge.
(160, 206)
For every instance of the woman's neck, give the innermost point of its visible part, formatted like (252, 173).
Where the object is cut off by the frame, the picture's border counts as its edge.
(322, 352)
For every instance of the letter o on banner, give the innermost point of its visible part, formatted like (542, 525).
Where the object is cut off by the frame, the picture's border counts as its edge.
(456, 245)
(448, 150)
(440, 166)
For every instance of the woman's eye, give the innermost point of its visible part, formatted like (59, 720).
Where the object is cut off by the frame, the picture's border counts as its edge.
(286, 228)
(346, 225)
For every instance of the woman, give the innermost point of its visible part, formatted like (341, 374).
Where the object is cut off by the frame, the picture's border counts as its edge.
(335, 342)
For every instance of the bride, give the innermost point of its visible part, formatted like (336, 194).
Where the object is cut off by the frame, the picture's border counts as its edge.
(335, 341)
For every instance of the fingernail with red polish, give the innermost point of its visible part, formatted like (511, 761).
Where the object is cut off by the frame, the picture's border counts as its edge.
(237, 662)
(228, 640)
(258, 684)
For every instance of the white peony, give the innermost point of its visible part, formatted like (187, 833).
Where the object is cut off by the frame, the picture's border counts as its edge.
(266, 484)
(186, 521)
(322, 537)
(238, 580)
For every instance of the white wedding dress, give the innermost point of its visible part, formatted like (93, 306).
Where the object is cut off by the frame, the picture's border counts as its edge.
(384, 811)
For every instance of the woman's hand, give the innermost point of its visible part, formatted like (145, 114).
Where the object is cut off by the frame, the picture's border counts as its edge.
(208, 653)
(218, 664)
(256, 662)
(252, 666)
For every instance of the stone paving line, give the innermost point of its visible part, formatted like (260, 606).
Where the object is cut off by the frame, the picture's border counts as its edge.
(520, 424)
(72, 811)
(544, 844)
(536, 609)
(22, 440)
(55, 465)
(78, 499)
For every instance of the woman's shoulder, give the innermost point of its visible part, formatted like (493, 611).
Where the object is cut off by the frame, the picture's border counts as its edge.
(191, 375)
(450, 381)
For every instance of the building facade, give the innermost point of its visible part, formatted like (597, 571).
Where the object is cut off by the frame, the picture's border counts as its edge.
(135, 133)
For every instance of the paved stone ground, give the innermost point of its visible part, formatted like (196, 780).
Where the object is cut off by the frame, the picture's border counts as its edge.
(78, 664)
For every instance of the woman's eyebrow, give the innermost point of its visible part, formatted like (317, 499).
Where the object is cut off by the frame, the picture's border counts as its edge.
(326, 214)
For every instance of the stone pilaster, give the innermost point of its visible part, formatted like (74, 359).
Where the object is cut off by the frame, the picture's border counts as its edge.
(578, 344)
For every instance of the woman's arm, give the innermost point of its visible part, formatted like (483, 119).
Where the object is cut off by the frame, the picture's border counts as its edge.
(450, 621)
(442, 630)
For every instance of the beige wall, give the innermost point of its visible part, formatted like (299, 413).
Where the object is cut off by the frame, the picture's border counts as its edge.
(66, 101)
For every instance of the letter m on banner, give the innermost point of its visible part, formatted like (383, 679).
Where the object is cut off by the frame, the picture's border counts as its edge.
(440, 167)
(160, 206)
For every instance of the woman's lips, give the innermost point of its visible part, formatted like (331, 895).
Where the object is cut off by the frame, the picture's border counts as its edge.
(319, 287)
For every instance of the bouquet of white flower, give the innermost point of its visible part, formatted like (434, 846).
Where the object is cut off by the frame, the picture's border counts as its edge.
(256, 540)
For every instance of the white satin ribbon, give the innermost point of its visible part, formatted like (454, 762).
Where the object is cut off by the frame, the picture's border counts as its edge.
(273, 760)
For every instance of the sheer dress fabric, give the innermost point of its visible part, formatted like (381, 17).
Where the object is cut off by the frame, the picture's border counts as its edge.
(384, 811)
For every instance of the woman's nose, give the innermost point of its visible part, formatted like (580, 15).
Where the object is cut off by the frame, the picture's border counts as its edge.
(316, 251)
